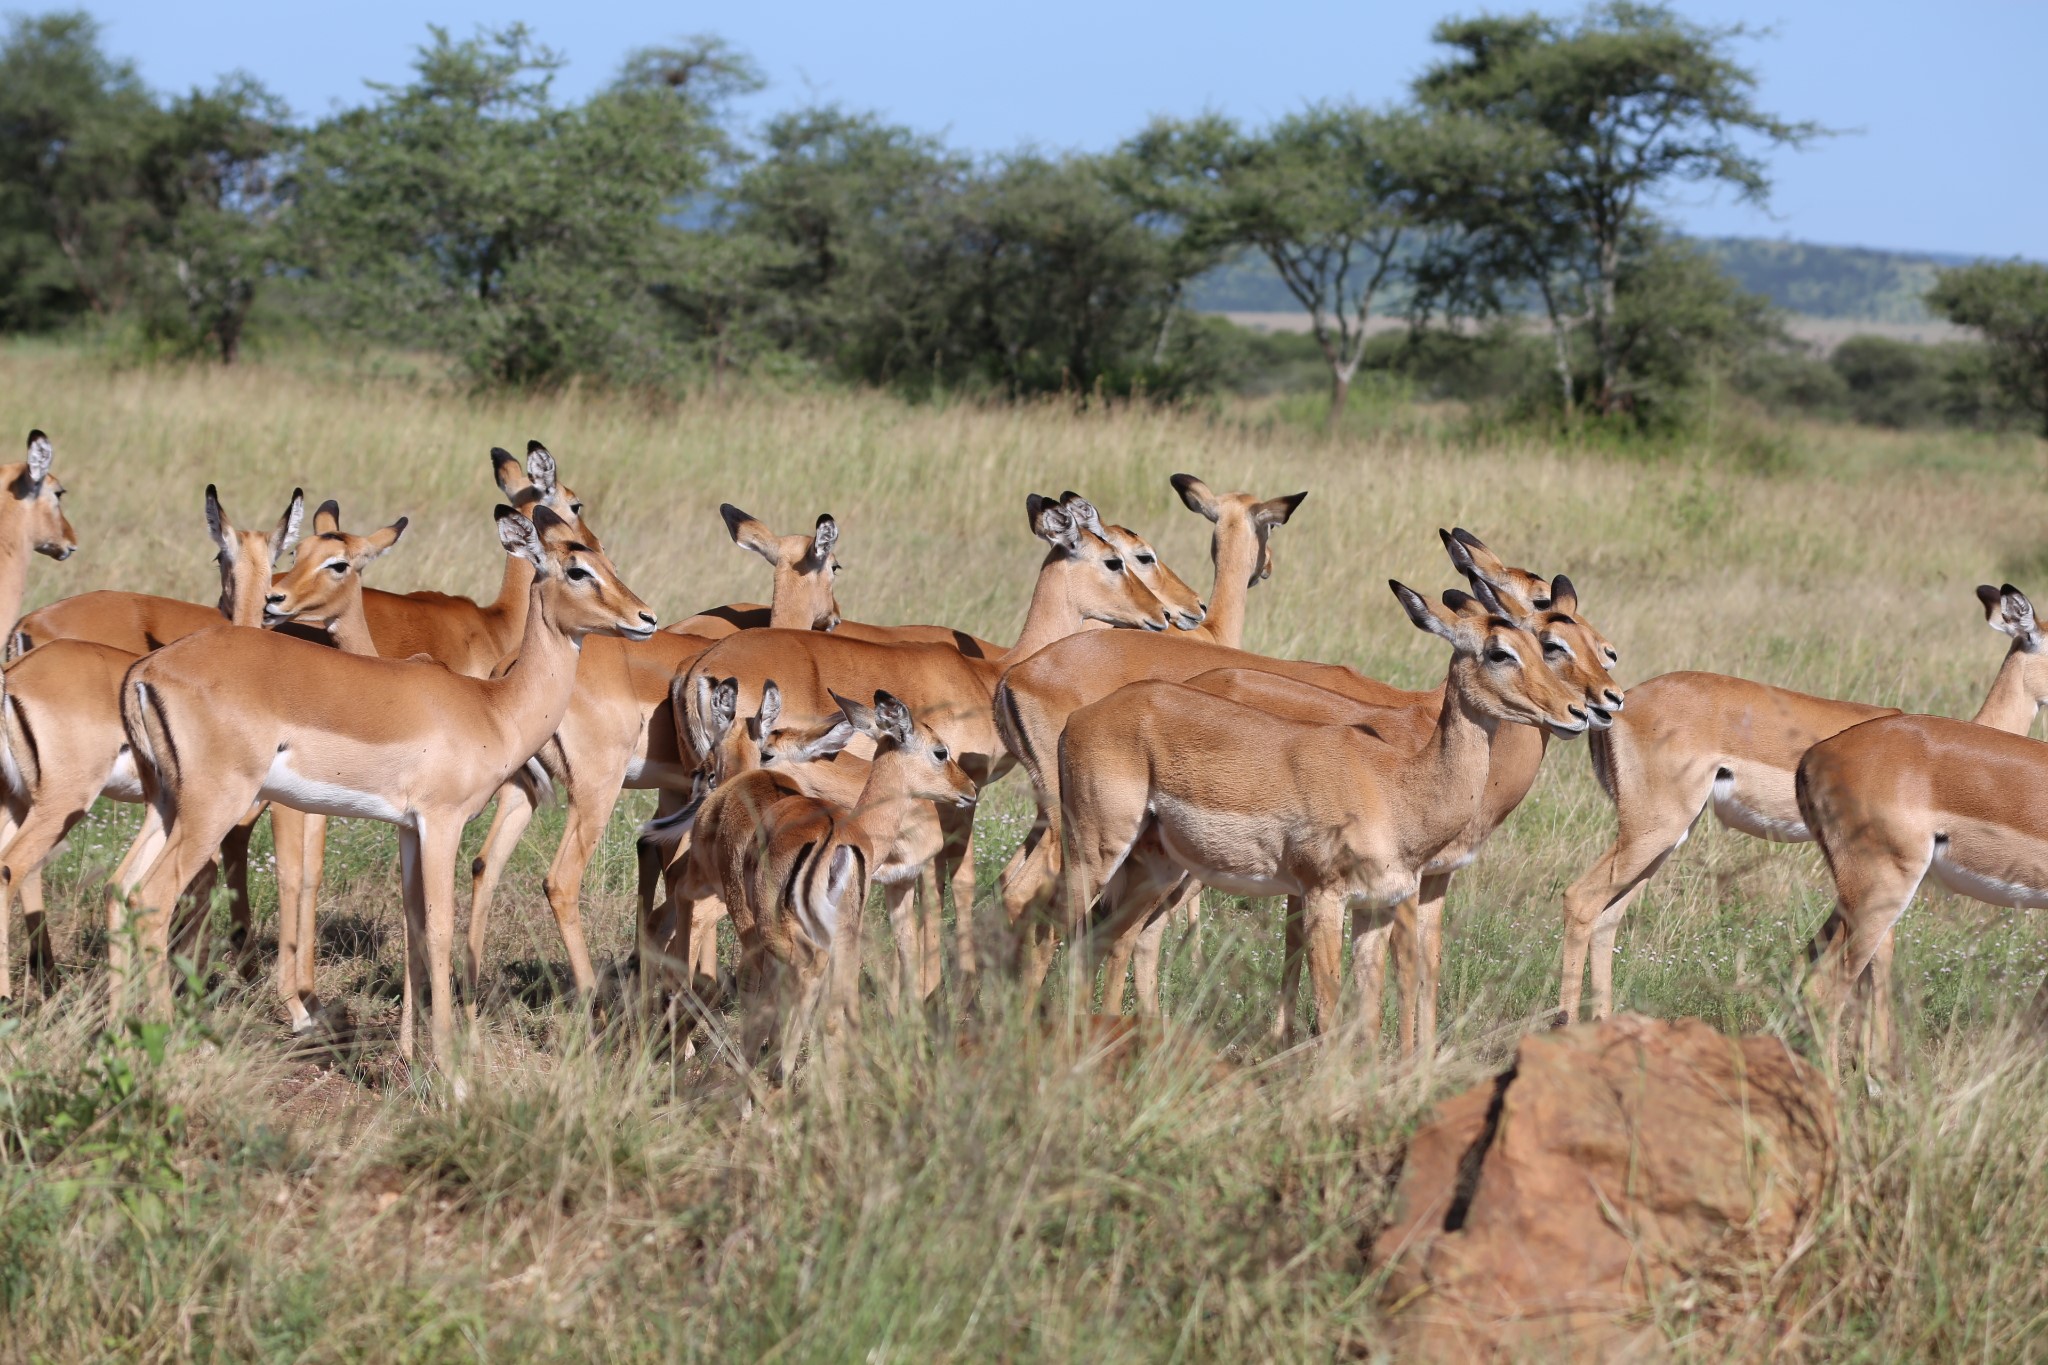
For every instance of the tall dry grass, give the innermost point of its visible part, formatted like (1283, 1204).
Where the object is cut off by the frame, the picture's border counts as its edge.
(206, 1192)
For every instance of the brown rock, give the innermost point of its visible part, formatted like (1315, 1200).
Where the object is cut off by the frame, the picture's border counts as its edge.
(1621, 1180)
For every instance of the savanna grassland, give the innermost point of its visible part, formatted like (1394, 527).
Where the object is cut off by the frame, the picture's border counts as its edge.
(200, 1190)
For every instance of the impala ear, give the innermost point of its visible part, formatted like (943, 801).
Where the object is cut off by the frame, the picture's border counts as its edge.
(1083, 511)
(380, 542)
(861, 717)
(1484, 562)
(327, 518)
(39, 456)
(750, 534)
(512, 480)
(833, 740)
(892, 719)
(1197, 496)
(1564, 596)
(2016, 617)
(540, 467)
(521, 537)
(771, 707)
(823, 539)
(217, 524)
(287, 533)
(1052, 523)
(1452, 621)
(1421, 613)
(1276, 511)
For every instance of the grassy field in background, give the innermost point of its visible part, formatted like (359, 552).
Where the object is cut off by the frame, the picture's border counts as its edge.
(203, 1192)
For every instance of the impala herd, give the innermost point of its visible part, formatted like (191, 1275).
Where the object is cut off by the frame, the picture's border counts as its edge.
(800, 758)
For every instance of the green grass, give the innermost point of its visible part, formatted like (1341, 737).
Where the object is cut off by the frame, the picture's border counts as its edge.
(206, 1192)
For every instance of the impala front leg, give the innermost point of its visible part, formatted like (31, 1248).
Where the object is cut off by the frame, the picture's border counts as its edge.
(509, 819)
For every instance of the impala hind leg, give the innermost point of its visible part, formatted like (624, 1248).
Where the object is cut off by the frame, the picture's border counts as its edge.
(509, 819)
(191, 837)
(902, 995)
(31, 846)
(1873, 886)
(1323, 931)
(234, 867)
(953, 868)
(1293, 938)
(1650, 829)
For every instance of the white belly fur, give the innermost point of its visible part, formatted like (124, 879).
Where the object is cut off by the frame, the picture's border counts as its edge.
(287, 786)
(123, 784)
(1732, 811)
(1978, 886)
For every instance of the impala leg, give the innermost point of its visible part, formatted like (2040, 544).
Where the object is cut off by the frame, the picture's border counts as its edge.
(439, 846)
(651, 866)
(901, 992)
(234, 867)
(931, 940)
(954, 867)
(841, 1023)
(1646, 839)
(1606, 929)
(143, 851)
(32, 843)
(1323, 927)
(191, 838)
(1872, 888)
(1292, 931)
(287, 833)
(1429, 935)
(1371, 926)
(417, 963)
(313, 859)
(589, 811)
(1406, 947)
(1147, 950)
(509, 819)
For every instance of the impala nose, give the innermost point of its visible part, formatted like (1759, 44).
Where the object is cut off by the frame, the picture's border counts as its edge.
(1613, 699)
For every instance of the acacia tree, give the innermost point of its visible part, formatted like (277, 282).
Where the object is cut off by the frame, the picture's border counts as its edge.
(1610, 109)
(1330, 196)
(2008, 303)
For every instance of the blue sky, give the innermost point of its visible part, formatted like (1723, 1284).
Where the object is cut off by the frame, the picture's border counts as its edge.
(1950, 151)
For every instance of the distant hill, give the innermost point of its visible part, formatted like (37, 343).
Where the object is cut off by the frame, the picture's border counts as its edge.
(1846, 282)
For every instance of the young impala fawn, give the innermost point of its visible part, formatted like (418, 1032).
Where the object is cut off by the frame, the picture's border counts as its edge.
(1082, 577)
(407, 742)
(1179, 781)
(65, 748)
(795, 870)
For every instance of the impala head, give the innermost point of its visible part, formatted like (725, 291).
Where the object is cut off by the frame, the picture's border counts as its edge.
(1497, 665)
(537, 484)
(326, 577)
(580, 590)
(2007, 611)
(246, 558)
(39, 501)
(1182, 601)
(1550, 607)
(1099, 582)
(1239, 511)
(805, 568)
(908, 756)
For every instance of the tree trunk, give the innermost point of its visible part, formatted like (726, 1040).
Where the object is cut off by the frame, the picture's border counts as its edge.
(1340, 389)
(1564, 364)
(1603, 325)
(1166, 326)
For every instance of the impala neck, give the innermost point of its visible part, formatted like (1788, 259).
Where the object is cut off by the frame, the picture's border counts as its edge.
(1448, 774)
(14, 553)
(1235, 550)
(532, 695)
(2011, 703)
(1052, 615)
(512, 608)
(879, 814)
(350, 631)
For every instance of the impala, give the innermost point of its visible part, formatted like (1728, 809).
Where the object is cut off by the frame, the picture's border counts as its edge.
(64, 743)
(1038, 694)
(406, 742)
(1895, 798)
(795, 867)
(1174, 781)
(1570, 647)
(322, 595)
(1082, 577)
(1693, 742)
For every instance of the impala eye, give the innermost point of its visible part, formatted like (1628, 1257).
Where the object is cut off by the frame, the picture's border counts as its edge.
(1146, 559)
(1502, 656)
(1113, 565)
(577, 573)
(339, 568)
(576, 509)
(939, 754)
